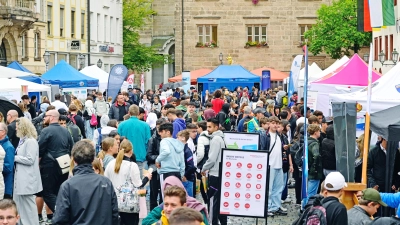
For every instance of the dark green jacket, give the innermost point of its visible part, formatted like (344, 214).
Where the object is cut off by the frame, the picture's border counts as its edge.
(314, 160)
(155, 215)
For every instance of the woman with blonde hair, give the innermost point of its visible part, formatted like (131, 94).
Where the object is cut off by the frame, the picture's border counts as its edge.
(27, 180)
(359, 158)
(24, 109)
(1, 117)
(97, 165)
(271, 110)
(109, 148)
(122, 170)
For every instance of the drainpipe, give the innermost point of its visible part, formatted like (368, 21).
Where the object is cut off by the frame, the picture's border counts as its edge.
(183, 23)
(88, 31)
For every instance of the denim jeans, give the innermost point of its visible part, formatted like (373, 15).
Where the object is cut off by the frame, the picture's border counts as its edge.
(188, 187)
(89, 130)
(312, 188)
(285, 186)
(275, 189)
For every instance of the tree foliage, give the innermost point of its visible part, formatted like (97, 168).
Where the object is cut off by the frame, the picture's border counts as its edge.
(336, 30)
(137, 56)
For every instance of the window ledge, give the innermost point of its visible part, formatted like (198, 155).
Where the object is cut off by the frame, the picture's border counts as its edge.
(25, 59)
(38, 59)
(207, 17)
(262, 46)
(256, 17)
(206, 47)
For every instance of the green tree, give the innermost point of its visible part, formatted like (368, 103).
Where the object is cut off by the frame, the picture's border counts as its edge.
(336, 30)
(137, 56)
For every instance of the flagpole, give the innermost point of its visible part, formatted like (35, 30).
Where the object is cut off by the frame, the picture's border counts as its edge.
(367, 119)
(305, 153)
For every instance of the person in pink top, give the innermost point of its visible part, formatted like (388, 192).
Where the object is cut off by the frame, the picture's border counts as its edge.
(217, 102)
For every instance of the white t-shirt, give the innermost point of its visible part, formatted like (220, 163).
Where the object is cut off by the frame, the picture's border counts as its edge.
(59, 105)
(275, 160)
(301, 120)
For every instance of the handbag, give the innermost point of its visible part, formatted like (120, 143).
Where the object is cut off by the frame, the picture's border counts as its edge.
(127, 196)
(64, 162)
(93, 120)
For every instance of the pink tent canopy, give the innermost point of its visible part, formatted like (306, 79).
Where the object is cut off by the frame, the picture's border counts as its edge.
(353, 72)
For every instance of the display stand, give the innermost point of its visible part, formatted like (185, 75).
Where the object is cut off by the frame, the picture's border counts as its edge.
(349, 197)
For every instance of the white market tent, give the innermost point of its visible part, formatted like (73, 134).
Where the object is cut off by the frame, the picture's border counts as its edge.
(385, 93)
(338, 63)
(6, 72)
(14, 85)
(95, 72)
(313, 74)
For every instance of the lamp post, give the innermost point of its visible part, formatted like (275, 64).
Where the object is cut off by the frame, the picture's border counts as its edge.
(366, 58)
(221, 57)
(99, 63)
(46, 57)
(382, 57)
(81, 59)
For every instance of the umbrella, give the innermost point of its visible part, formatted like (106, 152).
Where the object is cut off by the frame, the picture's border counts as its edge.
(7, 105)
(178, 84)
(167, 85)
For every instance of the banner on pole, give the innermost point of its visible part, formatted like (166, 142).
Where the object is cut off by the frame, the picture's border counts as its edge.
(117, 76)
(294, 74)
(142, 82)
(186, 78)
(131, 79)
(265, 80)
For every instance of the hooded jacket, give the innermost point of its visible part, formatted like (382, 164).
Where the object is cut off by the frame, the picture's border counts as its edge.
(358, 216)
(203, 148)
(190, 168)
(89, 110)
(153, 149)
(217, 143)
(104, 129)
(171, 156)
(314, 160)
(392, 200)
(336, 212)
(8, 165)
(328, 155)
(178, 125)
(156, 214)
(101, 107)
(223, 117)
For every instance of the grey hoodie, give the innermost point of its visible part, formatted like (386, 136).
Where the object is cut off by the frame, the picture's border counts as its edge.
(101, 107)
(171, 156)
(202, 142)
(217, 143)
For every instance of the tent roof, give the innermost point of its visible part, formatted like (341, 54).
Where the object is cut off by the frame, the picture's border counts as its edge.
(382, 120)
(14, 84)
(338, 63)
(15, 65)
(276, 75)
(95, 72)
(353, 72)
(68, 77)
(313, 72)
(6, 72)
(194, 74)
(229, 73)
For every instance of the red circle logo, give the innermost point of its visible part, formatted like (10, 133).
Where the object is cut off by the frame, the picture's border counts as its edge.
(227, 174)
(239, 165)
(238, 185)
(259, 176)
(247, 195)
(249, 165)
(227, 184)
(248, 175)
(237, 195)
(237, 205)
(248, 185)
(247, 205)
(258, 186)
(228, 164)
(226, 194)
(238, 175)
(226, 204)
(259, 166)
(258, 196)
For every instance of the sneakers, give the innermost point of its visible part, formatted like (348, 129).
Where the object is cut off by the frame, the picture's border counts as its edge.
(270, 214)
(287, 200)
(282, 209)
(280, 212)
(48, 222)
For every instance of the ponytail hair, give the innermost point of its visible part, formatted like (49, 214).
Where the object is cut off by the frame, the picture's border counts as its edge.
(125, 147)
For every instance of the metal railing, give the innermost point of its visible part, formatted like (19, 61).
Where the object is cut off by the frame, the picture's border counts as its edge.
(28, 4)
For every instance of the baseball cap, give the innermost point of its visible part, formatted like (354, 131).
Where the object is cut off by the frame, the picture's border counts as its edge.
(62, 111)
(371, 194)
(334, 181)
(327, 120)
(259, 110)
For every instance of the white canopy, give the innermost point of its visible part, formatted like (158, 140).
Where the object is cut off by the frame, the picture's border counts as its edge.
(313, 72)
(6, 72)
(334, 66)
(95, 72)
(14, 85)
(385, 93)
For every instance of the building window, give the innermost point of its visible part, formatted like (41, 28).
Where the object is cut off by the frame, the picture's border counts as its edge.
(391, 46)
(37, 45)
(72, 24)
(380, 44)
(105, 29)
(98, 27)
(376, 49)
(395, 2)
(303, 29)
(111, 29)
(117, 30)
(49, 17)
(207, 33)
(82, 25)
(257, 33)
(386, 47)
(61, 22)
(24, 41)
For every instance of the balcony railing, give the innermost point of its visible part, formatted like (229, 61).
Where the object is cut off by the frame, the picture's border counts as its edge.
(26, 4)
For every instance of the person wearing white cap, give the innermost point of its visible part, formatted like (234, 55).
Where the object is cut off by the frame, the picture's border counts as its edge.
(336, 213)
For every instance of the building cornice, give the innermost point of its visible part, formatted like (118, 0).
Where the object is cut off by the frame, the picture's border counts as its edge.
(256, 17)
(306, 17)
(207, 17)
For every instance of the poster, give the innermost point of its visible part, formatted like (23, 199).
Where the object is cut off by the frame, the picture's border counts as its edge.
(312, 97)
(80, 93)
(186, 78)
(10, 95)
(245, 141)
(142, 82)
(243, 183)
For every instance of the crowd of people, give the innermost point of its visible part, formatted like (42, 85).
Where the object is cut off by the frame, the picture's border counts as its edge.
(90, 161)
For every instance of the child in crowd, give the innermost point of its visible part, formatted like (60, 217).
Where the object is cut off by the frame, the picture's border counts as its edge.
(109, 148)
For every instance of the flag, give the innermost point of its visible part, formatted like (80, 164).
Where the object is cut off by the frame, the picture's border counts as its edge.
(305, 149)
(294, 74)
(382, 14)
(363, 16)
(388, 13)
(117, 76)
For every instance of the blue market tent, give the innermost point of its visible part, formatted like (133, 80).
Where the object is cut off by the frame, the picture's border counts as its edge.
(33, 78)
(15, 65)
(68, 77)
(229, 76)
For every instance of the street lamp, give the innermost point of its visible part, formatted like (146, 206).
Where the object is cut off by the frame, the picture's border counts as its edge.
(173, 57)
(221, 57)
(382, 55)
(366, 57)
(81, 59)
(99, 63)
(46, 57)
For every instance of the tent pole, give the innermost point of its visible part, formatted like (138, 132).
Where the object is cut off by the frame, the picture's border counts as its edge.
(366, 149)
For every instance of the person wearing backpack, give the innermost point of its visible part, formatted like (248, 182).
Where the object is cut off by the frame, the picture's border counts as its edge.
(102, 132)
(297, 146)
(336, 212)
(315, 173)
(76, 119)
(223, 117)
(203, 148)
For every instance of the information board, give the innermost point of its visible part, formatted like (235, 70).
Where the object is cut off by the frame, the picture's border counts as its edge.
(244, 183)
(244, 141)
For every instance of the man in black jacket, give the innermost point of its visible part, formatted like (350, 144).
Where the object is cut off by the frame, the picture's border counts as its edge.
(30, 106)
(86, 198)
(153, 150)
(54, 141)
(12, 116)
(328, 155)
(336, 212)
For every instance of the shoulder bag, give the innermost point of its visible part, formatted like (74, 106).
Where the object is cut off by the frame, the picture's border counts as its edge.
(127, 195)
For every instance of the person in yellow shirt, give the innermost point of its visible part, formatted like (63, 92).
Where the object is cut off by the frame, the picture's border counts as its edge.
(174, 197)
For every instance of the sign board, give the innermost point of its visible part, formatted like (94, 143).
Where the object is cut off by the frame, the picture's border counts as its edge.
(80, 93)
(75, 45)
(245, 141)
(312, 97)
(243, 183)
(131, 79)
(106, 48)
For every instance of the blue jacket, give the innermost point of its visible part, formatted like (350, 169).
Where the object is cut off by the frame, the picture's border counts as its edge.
(178, 124)
(190, 169)
(392, 200)
(240, 127)
(253, 125)
(171, 156)
(8, 169)
(137, 132)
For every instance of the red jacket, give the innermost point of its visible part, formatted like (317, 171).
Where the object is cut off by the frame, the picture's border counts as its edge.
(217, 105)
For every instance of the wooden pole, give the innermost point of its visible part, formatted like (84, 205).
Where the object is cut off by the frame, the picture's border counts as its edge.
(366, 149)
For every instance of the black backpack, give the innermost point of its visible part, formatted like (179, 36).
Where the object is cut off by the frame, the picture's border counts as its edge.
(205, 158)
(297, 150)
(314, 214)
(75, 132)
